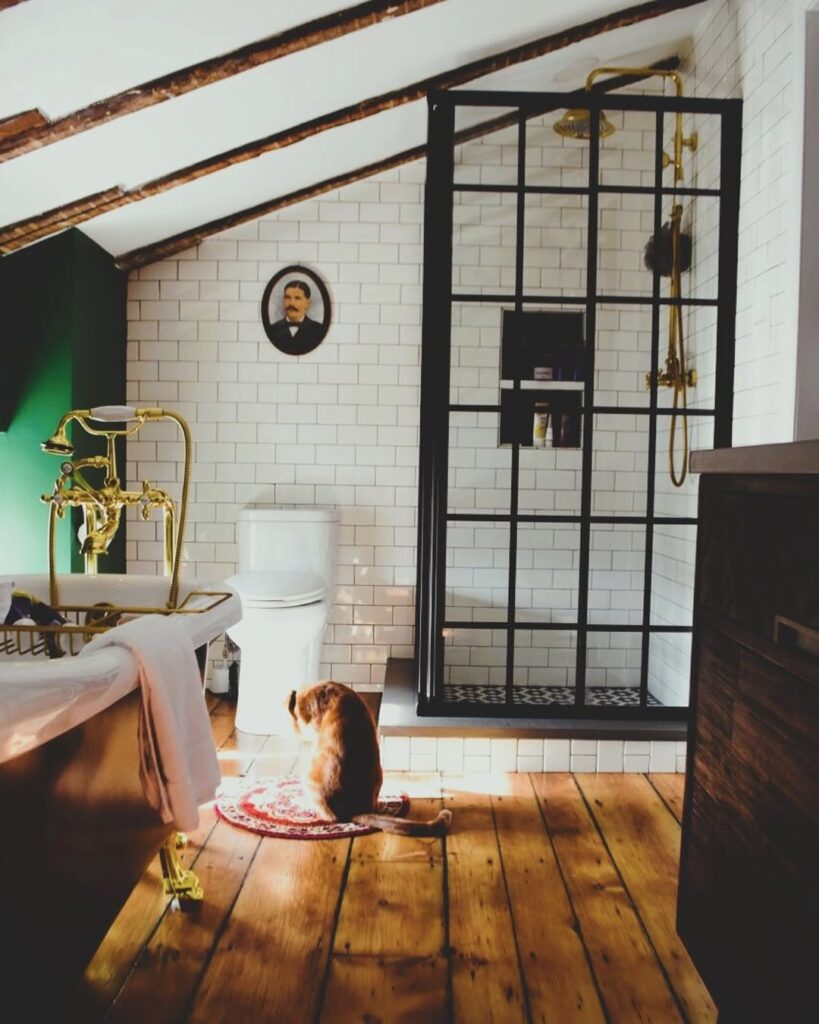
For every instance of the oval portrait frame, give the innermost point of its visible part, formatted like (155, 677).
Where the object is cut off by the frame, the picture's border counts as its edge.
(275, 328)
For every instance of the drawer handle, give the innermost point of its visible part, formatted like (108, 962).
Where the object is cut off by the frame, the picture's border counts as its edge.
(796, 637)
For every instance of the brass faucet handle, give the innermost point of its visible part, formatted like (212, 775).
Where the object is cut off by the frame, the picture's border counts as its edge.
(152, 497)
(54, 497)
(691, 142)
(671, 377)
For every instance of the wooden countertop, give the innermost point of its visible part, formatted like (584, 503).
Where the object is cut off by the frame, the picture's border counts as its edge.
(792, 457)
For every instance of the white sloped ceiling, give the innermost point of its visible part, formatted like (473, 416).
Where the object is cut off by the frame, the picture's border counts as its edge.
(59, 63)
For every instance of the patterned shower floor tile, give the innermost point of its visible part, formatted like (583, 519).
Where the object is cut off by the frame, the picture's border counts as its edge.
(598, 696)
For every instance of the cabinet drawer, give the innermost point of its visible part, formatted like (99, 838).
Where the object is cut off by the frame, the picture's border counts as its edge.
(759, 555)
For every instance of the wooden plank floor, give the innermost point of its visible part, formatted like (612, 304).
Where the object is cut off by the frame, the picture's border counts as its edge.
(553, 899)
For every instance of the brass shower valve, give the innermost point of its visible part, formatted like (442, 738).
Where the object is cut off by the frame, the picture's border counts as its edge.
(671, 379)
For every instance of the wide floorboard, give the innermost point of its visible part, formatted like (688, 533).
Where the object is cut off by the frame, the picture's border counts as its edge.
(553, 898)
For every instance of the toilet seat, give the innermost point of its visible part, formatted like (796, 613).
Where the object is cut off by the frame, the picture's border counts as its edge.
(278, 589)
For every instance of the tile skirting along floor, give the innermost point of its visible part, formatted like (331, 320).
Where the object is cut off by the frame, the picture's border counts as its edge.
(471, 744)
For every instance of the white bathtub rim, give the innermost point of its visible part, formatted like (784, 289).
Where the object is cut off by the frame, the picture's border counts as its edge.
(41, 698)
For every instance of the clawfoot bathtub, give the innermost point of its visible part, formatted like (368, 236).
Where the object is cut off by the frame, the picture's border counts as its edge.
(77, 832)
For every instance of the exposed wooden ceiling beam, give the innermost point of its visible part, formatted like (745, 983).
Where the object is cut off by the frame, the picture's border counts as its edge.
(301, 37)
(24, 232)
(186, 239)
(24, 122)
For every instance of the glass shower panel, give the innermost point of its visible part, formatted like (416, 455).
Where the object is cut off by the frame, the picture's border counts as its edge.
(613, 661)
(552, 160)
(549, 479)
(519, 416)
(545, 666)
(700, 325)
(698, 252)
(490, 157)
(669, 669)
(623, 355)
(619, 463)
(672, 575)
(547, 572)
(477, 571)
(701, 222)
(625, 224)
(702, 167)
(475, 665)
(627, 154)
(616, 574)
(555, 239)
(480, 473)
(484, 234)
(670, 500)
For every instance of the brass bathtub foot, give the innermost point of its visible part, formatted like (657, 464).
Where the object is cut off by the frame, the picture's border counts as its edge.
(178, 881)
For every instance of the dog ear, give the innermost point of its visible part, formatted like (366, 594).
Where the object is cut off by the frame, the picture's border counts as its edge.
(291, 704)
(324, 695)
(302, 706)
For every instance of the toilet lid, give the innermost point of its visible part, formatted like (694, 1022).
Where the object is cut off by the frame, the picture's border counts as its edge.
(278, 589)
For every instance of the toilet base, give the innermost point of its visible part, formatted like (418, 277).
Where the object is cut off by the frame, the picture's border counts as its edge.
(275, 660)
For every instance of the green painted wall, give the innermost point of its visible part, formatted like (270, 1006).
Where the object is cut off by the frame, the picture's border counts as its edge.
(63, 345)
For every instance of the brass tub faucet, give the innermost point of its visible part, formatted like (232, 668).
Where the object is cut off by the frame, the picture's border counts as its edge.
(102, 505)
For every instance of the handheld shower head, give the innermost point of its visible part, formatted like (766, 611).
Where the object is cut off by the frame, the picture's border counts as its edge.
(58, 443)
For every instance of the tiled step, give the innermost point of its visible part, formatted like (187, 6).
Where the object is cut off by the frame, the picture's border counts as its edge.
(472, 744)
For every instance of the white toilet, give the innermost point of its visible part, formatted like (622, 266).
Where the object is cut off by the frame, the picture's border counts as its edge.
(287, 558)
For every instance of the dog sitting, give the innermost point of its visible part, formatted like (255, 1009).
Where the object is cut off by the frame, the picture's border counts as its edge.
(344, 777)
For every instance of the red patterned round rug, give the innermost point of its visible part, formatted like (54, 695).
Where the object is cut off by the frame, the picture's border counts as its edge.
(277, 806)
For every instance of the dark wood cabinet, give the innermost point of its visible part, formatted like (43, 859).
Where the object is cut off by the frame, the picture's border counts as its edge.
(748, 907)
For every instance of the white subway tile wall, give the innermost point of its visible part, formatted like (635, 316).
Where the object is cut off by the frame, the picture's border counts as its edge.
(741, 50)
(750, 50)
(339, 426)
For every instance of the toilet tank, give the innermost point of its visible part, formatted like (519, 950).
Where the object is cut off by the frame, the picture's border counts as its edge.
(289, 538)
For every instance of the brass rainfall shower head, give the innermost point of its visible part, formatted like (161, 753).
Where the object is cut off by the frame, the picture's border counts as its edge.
(576, 124)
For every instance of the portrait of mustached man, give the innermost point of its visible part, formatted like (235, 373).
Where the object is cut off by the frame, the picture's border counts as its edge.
(296, 332)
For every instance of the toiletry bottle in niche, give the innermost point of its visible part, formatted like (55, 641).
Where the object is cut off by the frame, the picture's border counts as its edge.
(566, 428)
(540, 424)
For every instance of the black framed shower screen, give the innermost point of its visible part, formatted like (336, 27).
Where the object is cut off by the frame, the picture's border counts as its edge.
(435, 518)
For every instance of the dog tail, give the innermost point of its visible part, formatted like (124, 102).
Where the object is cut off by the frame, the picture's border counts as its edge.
(405, 826)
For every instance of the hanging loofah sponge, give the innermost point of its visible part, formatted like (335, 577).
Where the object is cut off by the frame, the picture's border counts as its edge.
(658, 251)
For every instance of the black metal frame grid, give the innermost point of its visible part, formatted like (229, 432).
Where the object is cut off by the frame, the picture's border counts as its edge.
(438, 297)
